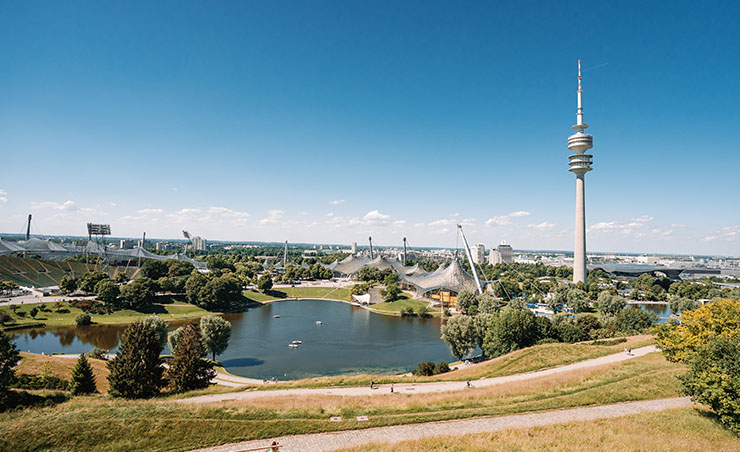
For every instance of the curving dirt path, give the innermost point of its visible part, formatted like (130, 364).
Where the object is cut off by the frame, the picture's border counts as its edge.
(324, 442)
(415, 388)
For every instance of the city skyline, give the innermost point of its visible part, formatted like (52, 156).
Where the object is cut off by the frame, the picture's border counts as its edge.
(332, 129)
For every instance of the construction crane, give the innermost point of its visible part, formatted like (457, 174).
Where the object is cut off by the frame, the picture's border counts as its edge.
(285, 255)
(470, 259)
(404, 251)
(371, 247)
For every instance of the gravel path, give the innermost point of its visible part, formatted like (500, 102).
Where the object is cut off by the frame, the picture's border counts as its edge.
(321, 442)
(414, 388)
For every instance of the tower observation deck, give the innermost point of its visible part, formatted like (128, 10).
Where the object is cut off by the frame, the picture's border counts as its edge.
(580, 164)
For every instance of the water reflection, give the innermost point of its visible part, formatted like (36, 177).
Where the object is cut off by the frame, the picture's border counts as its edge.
(348, 340)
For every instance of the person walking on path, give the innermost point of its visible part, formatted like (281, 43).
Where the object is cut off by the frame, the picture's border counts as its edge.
(391, 388)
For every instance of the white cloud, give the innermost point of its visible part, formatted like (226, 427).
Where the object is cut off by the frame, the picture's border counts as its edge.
(3, 196)
(504, 220)
(643, 219)
(375, 217)
(67, 206)
(441, 222)
(273, 216)
(520, 213)
(149, 211)
(728, 233)
(336, 202)
(228, 213)
(544, 226)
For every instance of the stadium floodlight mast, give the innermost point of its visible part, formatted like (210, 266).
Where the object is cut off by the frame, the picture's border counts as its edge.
(99, 231)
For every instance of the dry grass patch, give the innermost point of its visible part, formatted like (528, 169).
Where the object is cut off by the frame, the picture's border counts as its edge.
(676, 430)
(62, 368)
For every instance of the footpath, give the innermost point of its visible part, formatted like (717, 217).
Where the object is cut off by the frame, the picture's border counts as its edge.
(324, 442)
(404, 388)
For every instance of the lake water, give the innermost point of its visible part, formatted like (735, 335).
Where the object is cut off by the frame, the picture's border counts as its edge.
(661, 310)
(349, 340)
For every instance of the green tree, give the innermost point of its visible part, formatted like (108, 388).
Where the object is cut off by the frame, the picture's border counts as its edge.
(179, 268)
(216, 333)
(220, 292)
(159, 327)
(138, 293)
(68, 284)
(136, 370)
(173, 337)
(577, 300)
(154, 269)
(488, 304)
(391, 292)
(107, 290)
(264, 282)
(634, 320)
(481, 323)
(88, 281)
(511, 330)
(610, 304)
(680, 304)
(714, 379)
(467, 302)
(83, 380)
(459, 334)
(9, 358)
(83, 319)
(33, 312)
(188, 370)
(697, 327)
(194, 285)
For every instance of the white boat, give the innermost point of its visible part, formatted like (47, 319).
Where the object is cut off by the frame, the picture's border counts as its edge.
(297, 342)
(276, 316)
(293, 345)
(318, 322)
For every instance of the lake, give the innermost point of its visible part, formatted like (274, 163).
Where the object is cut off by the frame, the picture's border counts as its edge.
(349, 340)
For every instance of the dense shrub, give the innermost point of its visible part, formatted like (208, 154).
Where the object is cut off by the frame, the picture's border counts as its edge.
(83, 319)
(714, 379)
(39, 381)
(429, 368)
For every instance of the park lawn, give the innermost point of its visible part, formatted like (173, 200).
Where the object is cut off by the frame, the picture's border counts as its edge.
(395, 307)
(327, 293)
(60, 367)
(688, 429)
(529, 359)
(103, 424)
(176, 309)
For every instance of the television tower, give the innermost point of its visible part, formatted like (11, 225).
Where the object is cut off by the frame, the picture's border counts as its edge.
(580, 164)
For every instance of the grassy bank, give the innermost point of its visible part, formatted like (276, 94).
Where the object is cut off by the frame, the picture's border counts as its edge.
(529, 359)
(405, 302)
(59, 367)
(102, 424)
(676, 430)
(167, 307)
(329, 293)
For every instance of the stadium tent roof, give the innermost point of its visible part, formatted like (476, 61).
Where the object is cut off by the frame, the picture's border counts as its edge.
(350, 265)
(39, 245)
(56, 251)
(9, 247)
(452, 278)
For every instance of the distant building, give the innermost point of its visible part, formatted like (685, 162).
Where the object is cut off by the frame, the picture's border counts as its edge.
(479, 253)
(127, 244)
(505, 251)
(199, 243)
(354, 247)
(494, 257)
(145, 244)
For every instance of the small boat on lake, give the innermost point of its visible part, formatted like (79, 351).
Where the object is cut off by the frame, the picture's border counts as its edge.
(318, 322)
(293, 345)
(297, 342)
(276, 316)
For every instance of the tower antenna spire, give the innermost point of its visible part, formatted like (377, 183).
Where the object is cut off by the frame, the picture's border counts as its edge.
(580, 164)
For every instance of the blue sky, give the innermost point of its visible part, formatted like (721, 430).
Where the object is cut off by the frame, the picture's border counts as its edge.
(331, 121)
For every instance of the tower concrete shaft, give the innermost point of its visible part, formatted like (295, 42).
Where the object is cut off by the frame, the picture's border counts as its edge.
(580, 164)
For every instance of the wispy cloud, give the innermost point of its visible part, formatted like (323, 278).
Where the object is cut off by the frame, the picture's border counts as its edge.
(504, 220)
(273, 216)
(544, 226)
(728, 233)
(336, 202)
